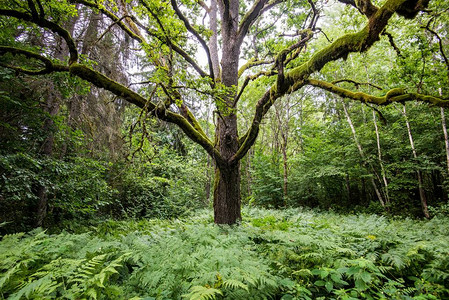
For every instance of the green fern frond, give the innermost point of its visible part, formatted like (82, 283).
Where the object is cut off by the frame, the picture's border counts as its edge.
(203, 293)
(234, 284)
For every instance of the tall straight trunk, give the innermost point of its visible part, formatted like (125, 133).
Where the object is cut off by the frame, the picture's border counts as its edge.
(248, 173)
(284, 131)
(422, 195)
(348, 187)
(362, 154)
(379, 149)
(208, 174)
(446, 139)
(51, 108)
(379, 156)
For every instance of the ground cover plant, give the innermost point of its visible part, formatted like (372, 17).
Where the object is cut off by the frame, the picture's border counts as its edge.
(273, 254)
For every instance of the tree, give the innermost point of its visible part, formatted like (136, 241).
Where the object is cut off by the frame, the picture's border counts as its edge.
(161, 30)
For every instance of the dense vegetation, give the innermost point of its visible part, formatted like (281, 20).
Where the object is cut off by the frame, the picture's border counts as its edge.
(288, 254)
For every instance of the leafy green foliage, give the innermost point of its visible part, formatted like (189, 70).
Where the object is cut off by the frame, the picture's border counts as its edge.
(289, 254)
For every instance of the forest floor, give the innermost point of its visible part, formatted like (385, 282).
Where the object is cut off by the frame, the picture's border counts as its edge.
(272, 254)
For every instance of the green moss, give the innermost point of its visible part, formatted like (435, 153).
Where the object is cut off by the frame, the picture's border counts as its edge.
(394, 92)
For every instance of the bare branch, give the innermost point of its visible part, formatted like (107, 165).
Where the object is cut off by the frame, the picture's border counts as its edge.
(392, 43)
(440, 44)
(114, 18)
(259, 7)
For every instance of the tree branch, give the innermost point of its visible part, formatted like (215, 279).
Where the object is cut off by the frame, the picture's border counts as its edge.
(253, 63)
(393, 95)
(196, 34)
(392, 43)
(169, 43)
(113, 17)
(356, 83)
(297, 77)
(440, 44)
(159, 111)
(49, 65)
(73, 52)
(259, 7)
(365, 7)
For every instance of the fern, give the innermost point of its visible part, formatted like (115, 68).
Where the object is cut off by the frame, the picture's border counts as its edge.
(294, 253)
(235, 284)
(198, 292)
(39, 287)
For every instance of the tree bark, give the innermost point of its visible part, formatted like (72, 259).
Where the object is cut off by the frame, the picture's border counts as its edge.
(379, 156)
(284, 131)
(51, 108)
(422, 195)
(446, 139)
(227, 198)
(248, 174)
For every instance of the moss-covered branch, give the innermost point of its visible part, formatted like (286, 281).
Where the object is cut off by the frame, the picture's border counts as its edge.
(253, 63)
(160, 111)
(49, 65)
(356, 83)
(340, 48)
(393, 95)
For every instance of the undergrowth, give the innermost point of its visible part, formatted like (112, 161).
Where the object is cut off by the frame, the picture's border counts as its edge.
(273, 254)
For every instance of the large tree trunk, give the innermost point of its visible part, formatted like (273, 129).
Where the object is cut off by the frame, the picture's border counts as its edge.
(227, 195)
(227, 176)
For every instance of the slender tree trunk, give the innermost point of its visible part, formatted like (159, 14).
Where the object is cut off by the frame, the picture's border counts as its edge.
(379, 156)
(51, 108)
(362, 154)
(379, 150)
(248, 173)
(422, 195)
(348, 187)
(208, 165)
(284, 131)
(446, 139)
